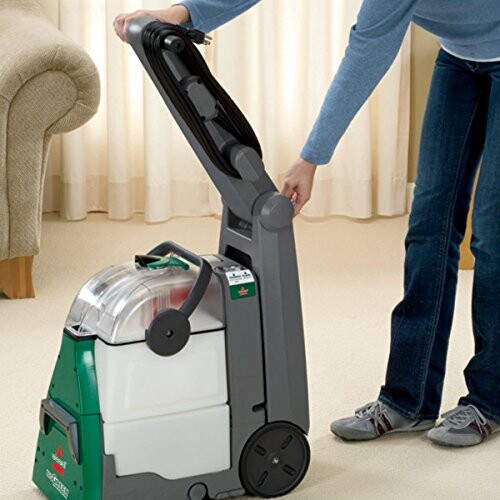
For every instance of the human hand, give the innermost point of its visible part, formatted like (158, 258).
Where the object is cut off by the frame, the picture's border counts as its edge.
(176, 14)
(298, 183)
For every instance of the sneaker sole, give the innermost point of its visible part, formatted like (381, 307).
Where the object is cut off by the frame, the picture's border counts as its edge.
(418, 428)
(371, 438)
(451, 445)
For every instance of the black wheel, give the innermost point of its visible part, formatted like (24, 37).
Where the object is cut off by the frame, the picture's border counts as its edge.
(274, 460)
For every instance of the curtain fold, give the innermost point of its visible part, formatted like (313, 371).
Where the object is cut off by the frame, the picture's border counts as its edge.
(277, 62)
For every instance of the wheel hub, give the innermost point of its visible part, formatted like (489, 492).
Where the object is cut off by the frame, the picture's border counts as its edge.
(275, 460)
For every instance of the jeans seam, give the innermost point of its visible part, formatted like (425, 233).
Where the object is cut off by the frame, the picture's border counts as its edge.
(404, 411)
(445, 244)
(398, 326)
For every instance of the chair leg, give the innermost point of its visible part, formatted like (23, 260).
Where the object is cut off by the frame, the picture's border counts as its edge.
(16, 278)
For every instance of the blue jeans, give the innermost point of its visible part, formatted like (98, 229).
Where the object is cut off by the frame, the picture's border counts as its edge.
(461, 127)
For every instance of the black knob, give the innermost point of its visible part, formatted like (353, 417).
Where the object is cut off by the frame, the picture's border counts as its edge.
(168, 333)
(174, 43)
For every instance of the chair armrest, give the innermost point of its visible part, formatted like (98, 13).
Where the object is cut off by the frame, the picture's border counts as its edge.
(29, 46)
(48, 85)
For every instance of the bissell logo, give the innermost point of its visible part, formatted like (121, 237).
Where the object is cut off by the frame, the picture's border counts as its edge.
(243, 292)
(59, 465)
(57, 484)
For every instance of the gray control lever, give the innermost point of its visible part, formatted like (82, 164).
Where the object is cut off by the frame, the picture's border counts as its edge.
(246, 162)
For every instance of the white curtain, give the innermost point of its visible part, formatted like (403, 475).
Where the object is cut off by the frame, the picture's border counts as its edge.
(277, 62)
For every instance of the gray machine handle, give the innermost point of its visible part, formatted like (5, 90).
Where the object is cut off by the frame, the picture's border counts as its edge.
(202, 281)
(50, 410)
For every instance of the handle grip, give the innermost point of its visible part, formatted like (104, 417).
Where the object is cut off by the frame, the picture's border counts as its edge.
(50, 410)
(202, 281)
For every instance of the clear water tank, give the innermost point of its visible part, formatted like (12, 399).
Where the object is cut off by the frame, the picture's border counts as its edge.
(119, 303)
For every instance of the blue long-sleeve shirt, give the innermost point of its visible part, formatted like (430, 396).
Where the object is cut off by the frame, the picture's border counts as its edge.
(467, 28)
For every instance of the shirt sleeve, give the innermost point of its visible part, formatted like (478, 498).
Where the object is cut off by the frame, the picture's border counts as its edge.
(374, 42)
(206, 15)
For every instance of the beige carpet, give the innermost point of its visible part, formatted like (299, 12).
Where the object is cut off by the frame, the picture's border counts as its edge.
(351, 278)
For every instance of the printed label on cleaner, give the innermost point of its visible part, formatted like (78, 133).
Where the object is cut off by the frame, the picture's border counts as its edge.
(241, 283)
(57, 484)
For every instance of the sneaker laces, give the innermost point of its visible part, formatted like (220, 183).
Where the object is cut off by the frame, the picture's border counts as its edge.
(374, 411)
(465, 416)
(371, 409)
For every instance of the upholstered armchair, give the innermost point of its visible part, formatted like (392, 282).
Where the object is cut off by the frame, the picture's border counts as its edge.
(48, 85)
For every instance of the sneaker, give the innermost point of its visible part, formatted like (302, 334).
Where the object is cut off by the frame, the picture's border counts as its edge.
(374, 420)
(463, 426)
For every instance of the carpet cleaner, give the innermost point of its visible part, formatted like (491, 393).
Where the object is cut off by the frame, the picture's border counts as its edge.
(182, 376)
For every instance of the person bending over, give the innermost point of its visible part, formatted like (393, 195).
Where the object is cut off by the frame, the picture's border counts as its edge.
(461, 127)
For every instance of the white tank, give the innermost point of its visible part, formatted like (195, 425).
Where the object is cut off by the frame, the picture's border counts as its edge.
(165, 415)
